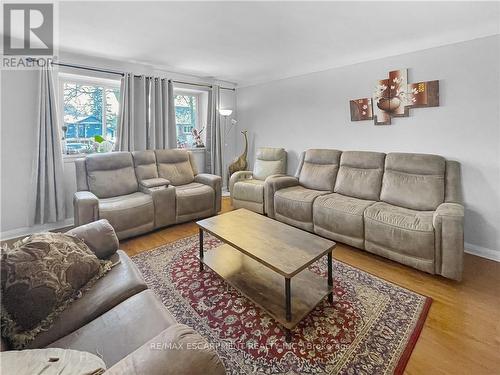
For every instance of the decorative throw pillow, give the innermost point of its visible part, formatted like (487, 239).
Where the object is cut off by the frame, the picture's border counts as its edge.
(40, 276)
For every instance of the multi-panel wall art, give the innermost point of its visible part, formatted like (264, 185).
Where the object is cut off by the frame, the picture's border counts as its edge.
(393, 97)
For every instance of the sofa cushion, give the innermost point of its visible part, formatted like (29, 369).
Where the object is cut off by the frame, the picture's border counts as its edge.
(319, 169)
(360, 174)
(121, 282)
(340, 218)
(121, 330)
(175, 166)
(414, 181)
(251, 190)
(51, 361)
(404, 231)
(127, 211)
(269, 161)
(194, 197)
(111, 174)
(145, 164)
(294, 206)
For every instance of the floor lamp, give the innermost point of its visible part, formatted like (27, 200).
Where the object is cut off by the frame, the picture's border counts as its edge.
(225, 113)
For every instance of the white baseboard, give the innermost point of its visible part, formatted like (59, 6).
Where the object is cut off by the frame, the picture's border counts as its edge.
(20, 232)
(482, 252)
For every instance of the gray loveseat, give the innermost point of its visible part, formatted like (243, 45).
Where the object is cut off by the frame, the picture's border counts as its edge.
(405, 207)
(144, 190)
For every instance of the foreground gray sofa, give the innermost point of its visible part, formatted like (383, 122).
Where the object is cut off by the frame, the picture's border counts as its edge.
(247, 188)
(144, 190)
(120, 320)
(405, 207)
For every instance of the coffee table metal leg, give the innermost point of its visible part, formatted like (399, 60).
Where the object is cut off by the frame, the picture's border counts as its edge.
(201, 248)
(288, 300)
(288, 335)
(330, 277)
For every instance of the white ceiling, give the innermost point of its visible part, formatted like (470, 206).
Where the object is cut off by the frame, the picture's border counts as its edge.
(253, 42)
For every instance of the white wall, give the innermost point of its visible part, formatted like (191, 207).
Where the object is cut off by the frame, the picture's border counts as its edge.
(19, 107)
(312, 111)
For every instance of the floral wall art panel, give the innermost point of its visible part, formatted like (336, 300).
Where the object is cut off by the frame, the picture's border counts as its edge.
(393, 97)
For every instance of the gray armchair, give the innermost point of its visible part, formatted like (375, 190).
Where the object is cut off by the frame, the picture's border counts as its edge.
(247, 187)
(141, 191)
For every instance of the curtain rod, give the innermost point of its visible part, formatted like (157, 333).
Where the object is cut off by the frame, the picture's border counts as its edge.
(122, 74)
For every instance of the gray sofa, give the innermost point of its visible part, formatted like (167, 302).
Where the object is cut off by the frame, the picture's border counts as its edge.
(144, 190)
(405, 207)
(120, 320)
(247, 187)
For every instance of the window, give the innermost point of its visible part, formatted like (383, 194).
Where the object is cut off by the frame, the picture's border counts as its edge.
(186, 119)
(90, 112)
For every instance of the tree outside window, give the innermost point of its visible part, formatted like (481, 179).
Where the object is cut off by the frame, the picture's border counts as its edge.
(90, 113)
(186, 116)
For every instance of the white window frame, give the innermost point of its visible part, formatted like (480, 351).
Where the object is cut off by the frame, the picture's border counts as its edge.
(84, 80)
(197, 94)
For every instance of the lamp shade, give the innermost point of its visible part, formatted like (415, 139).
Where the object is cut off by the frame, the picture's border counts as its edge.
(225, 112)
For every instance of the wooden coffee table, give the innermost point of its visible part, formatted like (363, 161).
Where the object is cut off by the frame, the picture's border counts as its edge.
(260, 255)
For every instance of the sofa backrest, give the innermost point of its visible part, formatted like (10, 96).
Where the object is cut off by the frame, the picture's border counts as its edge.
(145, 165)
(415, 181)
(175, 166)
(360, 174)
(269, 161)
(318, 169)
(111, 174)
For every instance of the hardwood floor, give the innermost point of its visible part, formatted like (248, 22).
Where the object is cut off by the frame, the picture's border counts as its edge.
(462, 331)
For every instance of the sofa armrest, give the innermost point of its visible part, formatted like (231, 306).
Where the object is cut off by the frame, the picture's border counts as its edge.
(178, 350)
(238, 176)
(154, 182)
(448, 222)
(215, 182)
(272, 185)
(99, 236)
(86, 207)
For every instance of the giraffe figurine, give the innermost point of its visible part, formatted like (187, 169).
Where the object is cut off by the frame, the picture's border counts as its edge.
(240, 163)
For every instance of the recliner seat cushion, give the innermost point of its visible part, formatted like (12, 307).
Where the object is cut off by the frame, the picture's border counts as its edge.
(194, 197)
(127, 211)
(340, 218)
(121, 282)
(360, 174)
(111, 174)
(319, 169)
(121, 330)
(175, 166)
(250, 190)
(401, 230)
(294, 206)
(414, 181)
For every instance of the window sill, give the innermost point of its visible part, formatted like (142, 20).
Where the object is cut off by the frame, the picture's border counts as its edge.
(72, 157)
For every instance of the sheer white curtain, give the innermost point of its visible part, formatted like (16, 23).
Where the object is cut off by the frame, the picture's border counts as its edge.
(48, 197)
(213, 159)
(147, 114)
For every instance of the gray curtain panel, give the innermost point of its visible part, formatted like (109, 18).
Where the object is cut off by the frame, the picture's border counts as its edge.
(161, 130)
(48, 199)
(147, 114)
(213, 159)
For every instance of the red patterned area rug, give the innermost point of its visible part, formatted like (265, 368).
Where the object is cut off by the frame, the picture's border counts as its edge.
(371, 328)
